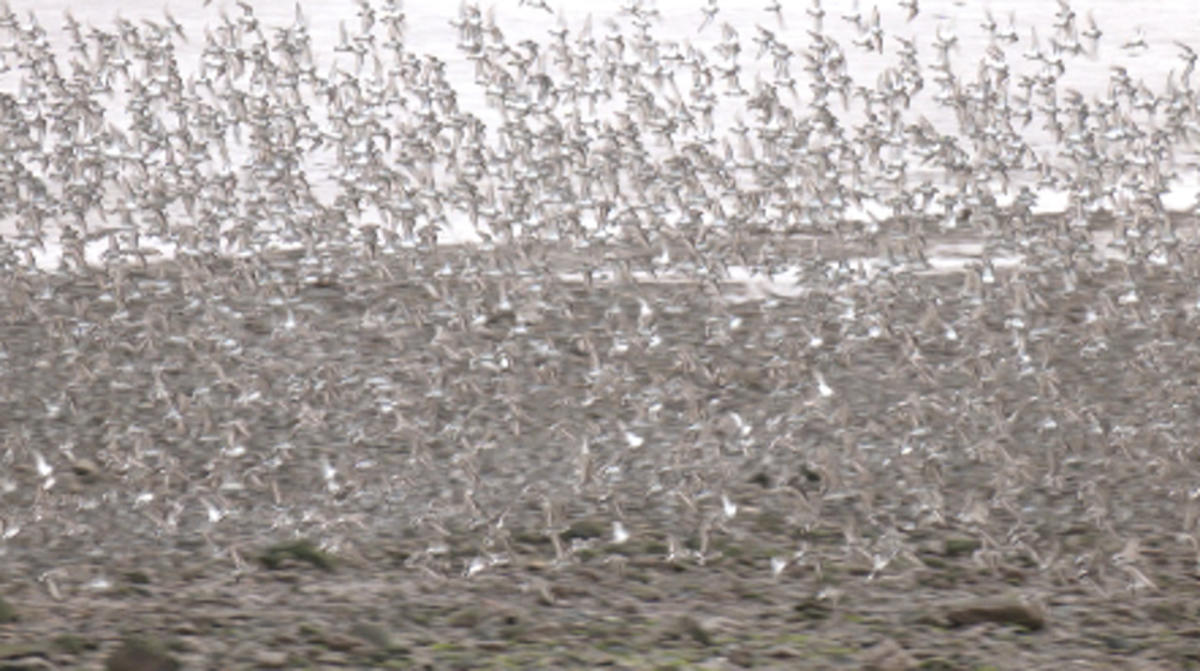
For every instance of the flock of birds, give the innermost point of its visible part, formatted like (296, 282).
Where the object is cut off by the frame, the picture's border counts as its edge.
(221, 352)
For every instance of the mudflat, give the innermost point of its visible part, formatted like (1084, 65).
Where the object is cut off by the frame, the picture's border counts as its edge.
(419, 463)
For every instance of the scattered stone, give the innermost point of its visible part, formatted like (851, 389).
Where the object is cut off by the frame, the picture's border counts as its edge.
(329, 659)
(959, 546)
(888, 655)
(11, 652)
(1002, 610)
(27, 664)
(373, 634)
(466, 618)
(303, 550)
(86, 470)
(741, 657)
(270, 659)
(585, 529)
(762, 479)
(138, 654)
(812, 609)
(545, 595)
(342, 642)
(939, 664)
(784, 651)
(72, 644)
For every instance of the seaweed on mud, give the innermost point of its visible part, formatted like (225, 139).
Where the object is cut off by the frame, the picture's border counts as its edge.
(301, 550)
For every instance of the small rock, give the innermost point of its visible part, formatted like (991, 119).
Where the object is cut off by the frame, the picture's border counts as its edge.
(585, 529)
(959, 546)
(784, 651)
(492, 645)
(505, 318)
(302, 550)
(762, 479)
(888, 656)
(27, 664)
(86, 470)
(1002, 610)
(740, 657)
(343, 642)
(813, 608)
(326, 659)
(270, 659)
(373, 634)
(467, 617)
(137, 654)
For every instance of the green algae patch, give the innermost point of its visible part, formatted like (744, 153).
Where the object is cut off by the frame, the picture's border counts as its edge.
(303, 550)
(7, 612)
(72, 644)
(137, 577)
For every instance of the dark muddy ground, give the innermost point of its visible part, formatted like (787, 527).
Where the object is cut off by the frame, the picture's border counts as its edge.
(922, 472)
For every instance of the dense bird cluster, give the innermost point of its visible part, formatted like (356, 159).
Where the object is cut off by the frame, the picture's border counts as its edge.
(310, 357)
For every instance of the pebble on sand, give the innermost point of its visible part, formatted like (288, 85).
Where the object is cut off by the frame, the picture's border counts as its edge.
(1002, 610)
(137, 654)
